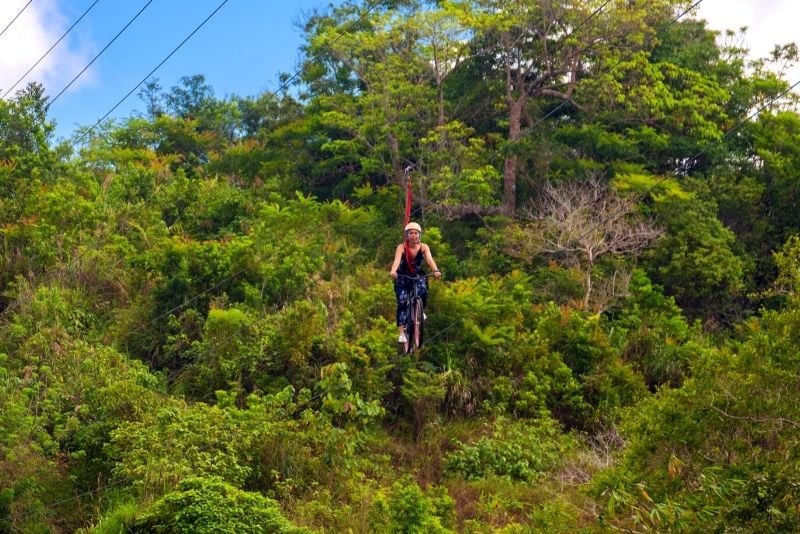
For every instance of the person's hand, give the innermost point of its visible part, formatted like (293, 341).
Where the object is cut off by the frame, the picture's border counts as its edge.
(393, 275)
(437, 273)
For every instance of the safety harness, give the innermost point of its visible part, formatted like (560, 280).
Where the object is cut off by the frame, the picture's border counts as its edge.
(406, 220)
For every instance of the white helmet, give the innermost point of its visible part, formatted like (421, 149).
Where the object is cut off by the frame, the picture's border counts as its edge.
(413, 226)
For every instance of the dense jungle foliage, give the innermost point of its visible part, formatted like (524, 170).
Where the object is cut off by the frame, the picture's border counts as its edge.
(197, 327)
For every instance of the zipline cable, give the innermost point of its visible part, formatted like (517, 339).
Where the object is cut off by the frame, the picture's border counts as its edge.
(230, 277)
(55, 98)
(50, 49)
(143, 80)
(372, 242)
(58, 503)
(15, 17)
(241, 271)
(374, 4)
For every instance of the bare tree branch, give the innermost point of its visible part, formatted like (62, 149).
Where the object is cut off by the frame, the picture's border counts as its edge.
(580, 222)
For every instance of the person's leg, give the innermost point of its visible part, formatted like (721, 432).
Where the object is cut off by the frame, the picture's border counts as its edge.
(401, 296)
(422, 291)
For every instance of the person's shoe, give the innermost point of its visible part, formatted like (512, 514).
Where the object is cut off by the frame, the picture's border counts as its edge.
(402, 339)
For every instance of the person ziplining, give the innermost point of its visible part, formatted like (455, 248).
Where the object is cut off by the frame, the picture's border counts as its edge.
(410, 280)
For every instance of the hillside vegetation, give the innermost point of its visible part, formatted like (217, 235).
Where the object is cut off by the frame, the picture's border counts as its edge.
(197, 323)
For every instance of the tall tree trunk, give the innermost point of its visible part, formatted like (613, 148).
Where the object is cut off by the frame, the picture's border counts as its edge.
(394, 154)
(516, 105)
(440, 97)
(509, 185)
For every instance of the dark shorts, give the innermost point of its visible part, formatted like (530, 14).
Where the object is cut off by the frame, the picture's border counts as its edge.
(403, 288)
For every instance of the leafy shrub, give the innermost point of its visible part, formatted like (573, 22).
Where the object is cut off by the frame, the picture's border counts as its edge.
(653, 334)
(52, 307)
(340, 402)
(291, 341)
(424, 392)
(219, 209)
(407, 509)
(569, 365)
(718, 450)
(696, 261)
(210, 505)
(226, 355)
(269, 445)
(518, 450)
(766, 501)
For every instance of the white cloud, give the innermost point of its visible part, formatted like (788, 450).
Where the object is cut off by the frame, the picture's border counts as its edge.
(768, 22)
(39, 26)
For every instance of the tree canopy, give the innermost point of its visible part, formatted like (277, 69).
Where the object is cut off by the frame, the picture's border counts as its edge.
(197, 327)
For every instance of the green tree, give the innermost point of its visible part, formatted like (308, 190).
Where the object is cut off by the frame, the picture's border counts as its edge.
(545, 52)
(698, 260)
(717, 452)
(25, 136)
(387, 103)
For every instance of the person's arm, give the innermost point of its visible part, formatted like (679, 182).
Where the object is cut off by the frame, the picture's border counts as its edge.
(398, 255)
(431, 263)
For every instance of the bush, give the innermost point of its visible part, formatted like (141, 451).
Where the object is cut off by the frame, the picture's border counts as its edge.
(518, 450)
(407, 509)
(209, 505)
(653, 335)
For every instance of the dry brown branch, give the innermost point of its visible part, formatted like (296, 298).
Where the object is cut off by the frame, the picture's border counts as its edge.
(753, 419)
(577, 223)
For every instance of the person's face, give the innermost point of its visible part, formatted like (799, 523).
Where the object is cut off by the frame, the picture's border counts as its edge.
(413, 236)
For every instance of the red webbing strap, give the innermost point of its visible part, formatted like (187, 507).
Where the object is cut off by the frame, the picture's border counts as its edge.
(407, 220)
(408, 198)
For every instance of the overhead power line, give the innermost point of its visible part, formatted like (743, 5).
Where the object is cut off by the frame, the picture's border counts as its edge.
(52, 100)
(115, 106)
(15, 18)
(80, 256)
(50, 49)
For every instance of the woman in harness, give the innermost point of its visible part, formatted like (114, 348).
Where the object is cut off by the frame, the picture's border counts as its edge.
(408, 257)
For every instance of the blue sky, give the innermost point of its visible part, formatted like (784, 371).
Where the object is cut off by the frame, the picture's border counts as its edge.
(241, 50)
